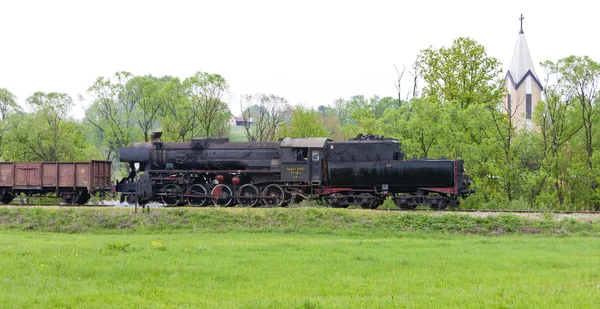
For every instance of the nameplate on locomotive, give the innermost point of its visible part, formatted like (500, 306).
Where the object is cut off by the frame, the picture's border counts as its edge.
(295, 173)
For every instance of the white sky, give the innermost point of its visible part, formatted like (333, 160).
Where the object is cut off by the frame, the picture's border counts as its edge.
(309, 52)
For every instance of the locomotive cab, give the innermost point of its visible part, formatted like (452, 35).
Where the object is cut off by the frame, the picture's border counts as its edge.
(302, 160)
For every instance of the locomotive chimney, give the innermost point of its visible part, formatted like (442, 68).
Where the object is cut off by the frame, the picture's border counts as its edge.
(156, 136)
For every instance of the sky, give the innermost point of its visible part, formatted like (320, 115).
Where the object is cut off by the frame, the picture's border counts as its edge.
(310, 52)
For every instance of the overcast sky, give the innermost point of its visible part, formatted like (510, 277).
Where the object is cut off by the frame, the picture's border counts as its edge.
(309, 52)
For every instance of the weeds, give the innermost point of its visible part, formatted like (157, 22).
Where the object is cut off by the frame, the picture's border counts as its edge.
(118, 246)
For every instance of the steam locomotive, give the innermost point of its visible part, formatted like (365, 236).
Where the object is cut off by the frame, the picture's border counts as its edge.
(362, 171)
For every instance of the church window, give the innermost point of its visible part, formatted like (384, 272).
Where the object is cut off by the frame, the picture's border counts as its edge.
(528, 106)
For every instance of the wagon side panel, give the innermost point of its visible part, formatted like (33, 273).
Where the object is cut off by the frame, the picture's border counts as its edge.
(100, 175)
(27, 175)
(66, 175)
(49, 174)
(7, 176)
(82, 174)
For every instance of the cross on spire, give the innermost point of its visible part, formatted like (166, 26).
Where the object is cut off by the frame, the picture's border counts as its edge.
(521, 19)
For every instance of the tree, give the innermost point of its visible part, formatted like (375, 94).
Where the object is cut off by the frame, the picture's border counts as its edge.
(305, 122)
(205, 91)
(556, 118)
(46, 134)
(462, 73)
(579, 78)
(8, 103)
(148, 104)
(112, 111)
(267, 113)
(52, 110)
(179, 119)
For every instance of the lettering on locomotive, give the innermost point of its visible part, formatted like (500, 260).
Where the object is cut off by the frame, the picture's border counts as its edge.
(296, 172)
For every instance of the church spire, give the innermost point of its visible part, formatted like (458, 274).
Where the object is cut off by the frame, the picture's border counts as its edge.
(521, 64)
(521, 19)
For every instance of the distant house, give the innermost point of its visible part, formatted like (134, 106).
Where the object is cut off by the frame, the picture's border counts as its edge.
(240, 121)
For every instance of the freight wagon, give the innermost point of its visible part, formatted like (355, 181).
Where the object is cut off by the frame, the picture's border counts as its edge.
(73, 182)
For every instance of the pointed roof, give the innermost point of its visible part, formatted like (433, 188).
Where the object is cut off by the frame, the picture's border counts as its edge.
(522, 64)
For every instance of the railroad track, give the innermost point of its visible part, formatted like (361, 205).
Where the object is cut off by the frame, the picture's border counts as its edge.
(532, 211)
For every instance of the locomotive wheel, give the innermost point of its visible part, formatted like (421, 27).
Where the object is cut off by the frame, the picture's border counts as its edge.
(275, 196)
(173, 195)
(131, 198)
(222, 195)
(196, 190)
(248, 195)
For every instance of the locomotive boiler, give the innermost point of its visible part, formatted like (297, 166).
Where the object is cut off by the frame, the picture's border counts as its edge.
(363, 171)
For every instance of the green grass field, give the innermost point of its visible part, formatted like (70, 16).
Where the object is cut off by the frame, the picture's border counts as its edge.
(294, 270)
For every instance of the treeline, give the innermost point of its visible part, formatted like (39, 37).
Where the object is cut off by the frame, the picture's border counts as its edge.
(458, 114)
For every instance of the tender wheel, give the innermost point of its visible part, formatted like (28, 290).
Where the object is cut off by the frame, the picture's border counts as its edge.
(405, 202)
(173, 195)
(196, 200)
(274, 196)
(368, 201)
(248, 195)
(337, 200)
(438, 204)
(222, 195)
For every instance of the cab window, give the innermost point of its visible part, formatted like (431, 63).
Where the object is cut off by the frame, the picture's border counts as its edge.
(315, 155)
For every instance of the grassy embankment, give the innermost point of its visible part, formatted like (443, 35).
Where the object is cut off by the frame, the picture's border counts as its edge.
(296, 220)
(292, 258)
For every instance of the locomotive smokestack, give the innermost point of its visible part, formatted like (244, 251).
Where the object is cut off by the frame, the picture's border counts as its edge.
(156, 136)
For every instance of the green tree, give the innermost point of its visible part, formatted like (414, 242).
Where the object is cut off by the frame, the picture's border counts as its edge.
(8, 103)
(305, 122)
(46, 134)
(112, 112)
(579, 78)
(462, 73)
(149, 103)
(267, 111)
(179, 121)
(205, 92)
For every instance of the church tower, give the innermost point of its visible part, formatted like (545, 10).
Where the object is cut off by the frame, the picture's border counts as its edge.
(523, 86)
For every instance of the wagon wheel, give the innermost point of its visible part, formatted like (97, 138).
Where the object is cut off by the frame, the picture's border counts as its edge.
(248, 195)
(7, 198)
(222, 195)
(196, 190)
(274, 196)
(173, 195)
(82, 199)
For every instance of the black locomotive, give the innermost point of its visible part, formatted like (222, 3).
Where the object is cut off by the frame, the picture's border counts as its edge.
(363, 171)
